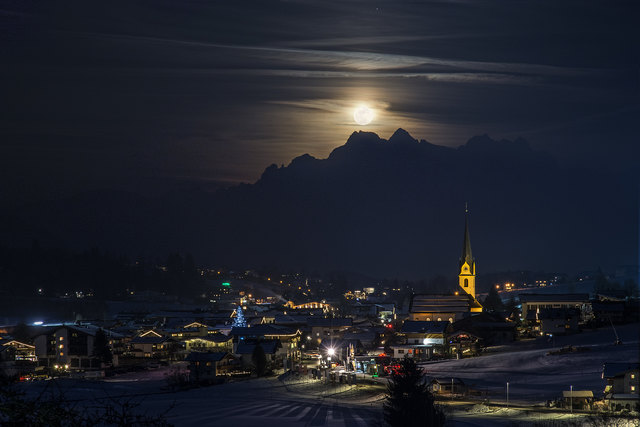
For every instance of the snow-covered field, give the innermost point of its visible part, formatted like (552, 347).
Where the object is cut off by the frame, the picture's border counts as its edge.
(245, 403)
(533, 377)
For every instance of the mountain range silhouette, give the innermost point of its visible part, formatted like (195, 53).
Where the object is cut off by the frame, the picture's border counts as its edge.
(386, 208)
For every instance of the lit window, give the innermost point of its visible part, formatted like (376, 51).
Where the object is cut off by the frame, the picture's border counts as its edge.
(61, 346)
(61, 354)
(633, 376)
(633, 388)
(61, 338)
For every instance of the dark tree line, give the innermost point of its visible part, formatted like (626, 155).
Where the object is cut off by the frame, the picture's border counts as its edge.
(16, 409)
(34, 271)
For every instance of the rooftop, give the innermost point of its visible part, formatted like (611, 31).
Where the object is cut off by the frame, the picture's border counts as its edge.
(526, 298)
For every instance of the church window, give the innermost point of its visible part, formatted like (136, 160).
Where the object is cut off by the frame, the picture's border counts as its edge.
(466, 283)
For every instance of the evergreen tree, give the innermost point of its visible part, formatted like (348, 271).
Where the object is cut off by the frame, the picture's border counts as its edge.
(239, 321)
(259, 359)
(493, 302)
(101, 349)
(409, 402)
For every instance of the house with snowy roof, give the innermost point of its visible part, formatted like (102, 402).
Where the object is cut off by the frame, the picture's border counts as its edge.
(245, 350)
(559, 321)
(213, 342)
(447, 386)
(16, 357)
(532, 303)
(422, 339)
(491, 328)
(623, 385)
(152, 344)
(71, 347)
(208, 366)
(288, 339)
(323, 327)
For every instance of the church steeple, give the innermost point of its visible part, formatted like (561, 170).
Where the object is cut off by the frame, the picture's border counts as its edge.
(467, 256)
(467, 275)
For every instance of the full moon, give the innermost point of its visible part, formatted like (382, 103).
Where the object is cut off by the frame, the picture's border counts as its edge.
(363, 115)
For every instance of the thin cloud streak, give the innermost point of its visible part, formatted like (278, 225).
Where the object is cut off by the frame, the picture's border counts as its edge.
(451, 77)
(367, 61)
(353, 41)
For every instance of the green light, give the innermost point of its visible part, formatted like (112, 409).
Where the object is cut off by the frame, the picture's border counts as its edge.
(226, 284)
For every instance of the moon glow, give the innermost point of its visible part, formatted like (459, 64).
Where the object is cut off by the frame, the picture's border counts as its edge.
(363, 115)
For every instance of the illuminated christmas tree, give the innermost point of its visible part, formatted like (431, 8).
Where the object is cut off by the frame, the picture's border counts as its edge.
(239, 321)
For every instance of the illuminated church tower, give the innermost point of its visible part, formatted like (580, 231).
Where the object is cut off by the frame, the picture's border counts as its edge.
(467, 276)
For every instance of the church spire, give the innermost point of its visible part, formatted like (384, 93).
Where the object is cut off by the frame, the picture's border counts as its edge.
(467, 275)
(466, 244)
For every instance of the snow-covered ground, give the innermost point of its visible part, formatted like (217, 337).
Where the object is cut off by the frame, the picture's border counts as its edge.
(533, 377)
(252, 402)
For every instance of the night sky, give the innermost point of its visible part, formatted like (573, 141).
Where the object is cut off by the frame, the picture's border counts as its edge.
(153, 96)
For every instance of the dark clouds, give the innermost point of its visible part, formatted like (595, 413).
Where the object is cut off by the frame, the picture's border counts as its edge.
(151, 94)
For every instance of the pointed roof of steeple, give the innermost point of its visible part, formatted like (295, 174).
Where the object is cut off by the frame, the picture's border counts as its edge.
(467, 256)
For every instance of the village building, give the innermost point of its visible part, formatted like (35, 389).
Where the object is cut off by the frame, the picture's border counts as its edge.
(17, 358)
(623, 386)
(152, 344)
(71, 347)
(447, 386)
(533, 303)
(577, 399)
(461, 343)
(322, 305)
(422, 339)
(210, 343)
(443, 307)
(245, 350)
(558, 321)
(288, 340)
(322, 327)
(208, 367)
(491, 328)
(21, 351)
(189, 330)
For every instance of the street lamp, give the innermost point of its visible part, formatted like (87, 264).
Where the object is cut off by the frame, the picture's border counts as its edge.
(330, 352)
(571, 398)
(507, 394)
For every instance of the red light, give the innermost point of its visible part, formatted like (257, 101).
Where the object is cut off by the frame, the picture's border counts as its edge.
(389, 326)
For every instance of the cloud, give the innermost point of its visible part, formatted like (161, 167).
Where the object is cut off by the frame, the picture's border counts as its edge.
(332, 105)
(314, 62)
